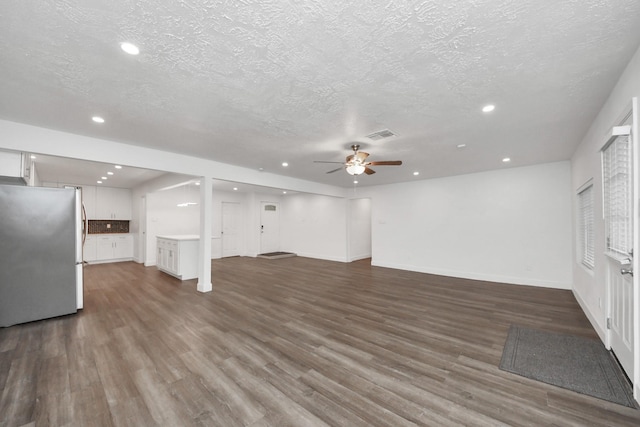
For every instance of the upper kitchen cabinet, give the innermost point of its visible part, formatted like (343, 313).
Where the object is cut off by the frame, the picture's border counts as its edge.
(15, 168)
(89, 200)
(112, 203)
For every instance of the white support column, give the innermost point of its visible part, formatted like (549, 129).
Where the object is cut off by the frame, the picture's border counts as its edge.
(206, 210)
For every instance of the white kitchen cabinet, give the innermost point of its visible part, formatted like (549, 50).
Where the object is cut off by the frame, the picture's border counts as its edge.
(178, 255)
(89, 200)
(113, 203)
(110, 248)
(123, 247)
(15, 167)
(103, 203)
(90, 249)
(104, 248)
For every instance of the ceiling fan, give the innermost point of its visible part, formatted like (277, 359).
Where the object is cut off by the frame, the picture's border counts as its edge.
(357, 164)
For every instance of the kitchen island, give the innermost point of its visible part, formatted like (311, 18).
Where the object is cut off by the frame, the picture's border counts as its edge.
(177, 255)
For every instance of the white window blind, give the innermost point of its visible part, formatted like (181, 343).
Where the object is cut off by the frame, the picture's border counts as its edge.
(616, 175)
(587, 247)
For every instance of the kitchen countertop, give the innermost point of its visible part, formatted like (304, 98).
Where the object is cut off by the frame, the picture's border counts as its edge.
(180, 237)
(110, 234)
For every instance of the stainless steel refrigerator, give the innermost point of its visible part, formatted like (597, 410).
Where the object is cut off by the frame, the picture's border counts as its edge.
(41, 235)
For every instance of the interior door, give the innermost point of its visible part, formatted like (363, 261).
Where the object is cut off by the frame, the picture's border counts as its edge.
(230, 229)
(269, 227)
(618, 186)
(359, 230)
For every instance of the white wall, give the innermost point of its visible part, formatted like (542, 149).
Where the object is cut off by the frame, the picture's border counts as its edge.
(359, 231)
(314, 226)
(590, 286)
(164, 217)
(137, 194)
(512, 225)
(35, 180)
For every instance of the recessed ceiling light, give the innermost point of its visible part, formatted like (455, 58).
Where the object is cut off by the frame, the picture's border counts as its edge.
(197, 183)
(355, 182)
(416, 173)
(506, 160)
(97, 119)
(260, 169)
(461, 145)
(118, 167)
(99, 182)
(130, 48)
(284, 192)
(109, 173)
(33, 157)
(285, 164)
(235, 188)
(488, 108)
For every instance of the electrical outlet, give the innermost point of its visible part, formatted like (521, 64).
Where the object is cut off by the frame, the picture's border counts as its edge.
(108, 225)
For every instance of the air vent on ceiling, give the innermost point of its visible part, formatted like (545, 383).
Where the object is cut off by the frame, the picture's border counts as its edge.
(386, 133)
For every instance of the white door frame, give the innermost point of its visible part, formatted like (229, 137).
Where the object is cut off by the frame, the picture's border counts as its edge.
(636, 244)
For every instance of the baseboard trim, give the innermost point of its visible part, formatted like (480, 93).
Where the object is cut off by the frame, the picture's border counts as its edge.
(477, 276)
(359, 257)
(324, 257)
(596, 325)
(109, 261)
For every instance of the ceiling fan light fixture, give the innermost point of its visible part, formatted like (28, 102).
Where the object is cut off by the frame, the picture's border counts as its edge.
(355, 169)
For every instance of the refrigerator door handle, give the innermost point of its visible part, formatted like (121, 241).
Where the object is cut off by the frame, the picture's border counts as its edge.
(81, 232)
(85, 224)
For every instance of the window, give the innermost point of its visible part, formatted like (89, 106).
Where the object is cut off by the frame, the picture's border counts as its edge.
(616, 181)
(585, 232)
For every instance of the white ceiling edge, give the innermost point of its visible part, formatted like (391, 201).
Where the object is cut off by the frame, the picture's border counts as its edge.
(33, 139)
(171, 181)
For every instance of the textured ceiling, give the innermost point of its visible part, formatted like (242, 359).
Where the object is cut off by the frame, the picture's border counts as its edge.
(258, 82)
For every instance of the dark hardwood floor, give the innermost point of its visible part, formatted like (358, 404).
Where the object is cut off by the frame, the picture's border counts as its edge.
(290, 342)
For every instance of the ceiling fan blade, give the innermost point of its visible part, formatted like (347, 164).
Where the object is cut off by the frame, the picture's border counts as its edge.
(322, 161)
(336, 170)
(369, 171)
(386, 163)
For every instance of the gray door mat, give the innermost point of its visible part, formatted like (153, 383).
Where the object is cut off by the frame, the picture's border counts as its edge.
(276, 255)
(575, 363)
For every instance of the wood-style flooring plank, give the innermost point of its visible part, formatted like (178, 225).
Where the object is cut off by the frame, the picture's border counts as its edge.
(290, 342)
